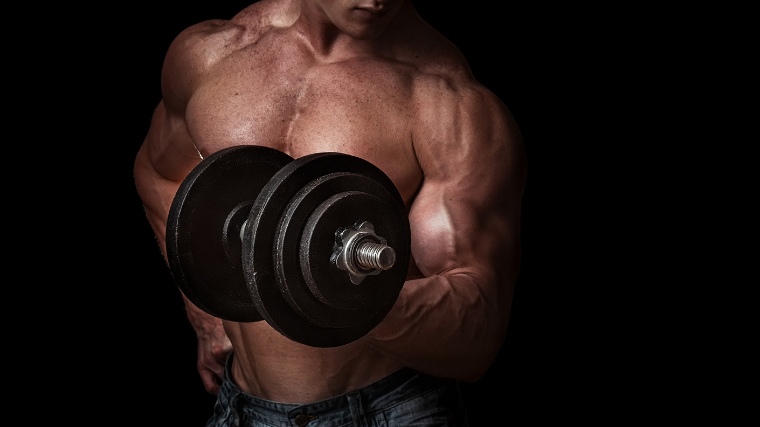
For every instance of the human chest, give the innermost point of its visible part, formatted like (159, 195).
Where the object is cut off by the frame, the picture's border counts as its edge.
(288, 102)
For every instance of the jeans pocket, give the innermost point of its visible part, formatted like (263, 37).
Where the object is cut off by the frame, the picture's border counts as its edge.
(436, 408)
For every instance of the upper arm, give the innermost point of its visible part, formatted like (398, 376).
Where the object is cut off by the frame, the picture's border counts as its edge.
(465, 217)
(168, 149)
(168, 152)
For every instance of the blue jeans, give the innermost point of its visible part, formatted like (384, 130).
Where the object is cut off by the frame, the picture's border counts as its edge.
(402, 399)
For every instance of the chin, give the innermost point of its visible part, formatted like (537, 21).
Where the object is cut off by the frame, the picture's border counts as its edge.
(364, 33)
(365, 36)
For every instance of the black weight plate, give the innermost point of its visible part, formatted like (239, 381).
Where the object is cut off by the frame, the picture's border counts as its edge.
(258, 244)
(334, 285)
(308, 280)
(371, 203)
(203, 228)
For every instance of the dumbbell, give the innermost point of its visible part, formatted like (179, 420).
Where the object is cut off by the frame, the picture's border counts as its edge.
(318, 247)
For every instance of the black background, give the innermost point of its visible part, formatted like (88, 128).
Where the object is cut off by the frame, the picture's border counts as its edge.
(129, 348)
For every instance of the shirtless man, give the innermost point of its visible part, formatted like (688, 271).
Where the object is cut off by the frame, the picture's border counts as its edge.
(368, 78)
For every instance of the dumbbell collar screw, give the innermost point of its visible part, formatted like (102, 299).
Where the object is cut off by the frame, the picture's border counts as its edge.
(363, 253)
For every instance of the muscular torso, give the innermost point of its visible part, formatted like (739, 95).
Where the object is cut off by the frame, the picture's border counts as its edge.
(275, 92)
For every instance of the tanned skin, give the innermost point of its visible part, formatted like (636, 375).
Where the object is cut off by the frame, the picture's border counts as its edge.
(368, 78)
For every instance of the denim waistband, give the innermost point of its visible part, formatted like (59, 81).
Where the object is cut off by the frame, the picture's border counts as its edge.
(394, 389)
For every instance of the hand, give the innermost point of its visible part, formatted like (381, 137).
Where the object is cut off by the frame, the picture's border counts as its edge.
(213, 346)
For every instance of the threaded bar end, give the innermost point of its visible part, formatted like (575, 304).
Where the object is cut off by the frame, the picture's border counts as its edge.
(373, 255)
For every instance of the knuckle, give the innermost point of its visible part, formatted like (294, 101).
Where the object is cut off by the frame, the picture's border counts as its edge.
(218, 351)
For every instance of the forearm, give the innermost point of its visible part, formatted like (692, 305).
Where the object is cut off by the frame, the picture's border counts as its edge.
(156, 193)
(202, 322)
(446, 325)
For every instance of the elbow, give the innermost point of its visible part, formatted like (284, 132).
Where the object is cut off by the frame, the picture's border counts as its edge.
(472, 371)
(478, 364)
(479, 354)
(484, 350)
(472, 375)
(488, 329)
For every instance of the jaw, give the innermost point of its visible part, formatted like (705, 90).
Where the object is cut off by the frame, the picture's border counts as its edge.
(366, 24)
(359, 19)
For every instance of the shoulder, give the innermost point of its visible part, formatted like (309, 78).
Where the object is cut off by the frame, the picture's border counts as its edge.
(461, 131)
(200, 47)
(459, 121)
(432, 54)
(447, 98)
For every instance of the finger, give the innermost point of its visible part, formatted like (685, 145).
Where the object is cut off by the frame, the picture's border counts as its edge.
(220, 352)
(218, 370)
(210, 381)
(211, 363)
